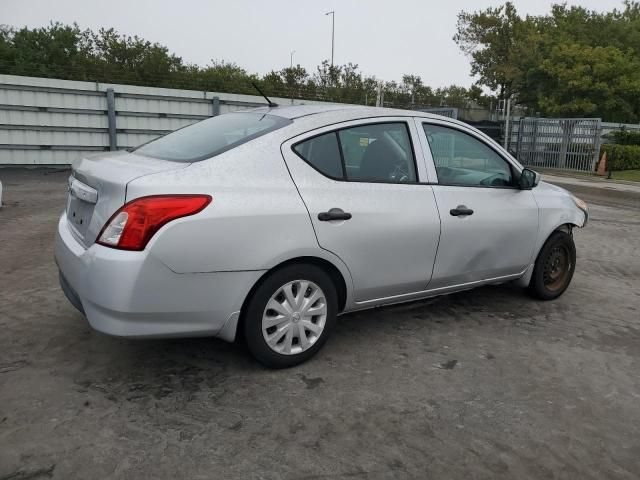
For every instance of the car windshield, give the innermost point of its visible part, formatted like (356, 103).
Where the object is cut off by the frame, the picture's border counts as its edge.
(212, 136)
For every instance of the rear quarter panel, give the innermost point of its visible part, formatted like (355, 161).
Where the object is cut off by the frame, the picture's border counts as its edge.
(255, 221)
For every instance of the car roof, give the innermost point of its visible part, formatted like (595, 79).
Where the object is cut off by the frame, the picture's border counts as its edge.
(344, 111)
(309, 117)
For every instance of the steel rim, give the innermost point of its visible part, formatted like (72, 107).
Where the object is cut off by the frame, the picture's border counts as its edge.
(294, 317)
(556, 268)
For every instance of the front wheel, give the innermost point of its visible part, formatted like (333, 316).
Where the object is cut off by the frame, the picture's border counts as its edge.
(290, 315)
(554, 267)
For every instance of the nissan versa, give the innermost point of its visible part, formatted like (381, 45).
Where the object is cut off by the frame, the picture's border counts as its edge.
(267, 224)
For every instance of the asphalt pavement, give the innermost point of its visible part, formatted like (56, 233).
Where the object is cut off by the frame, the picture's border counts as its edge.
(484, 384)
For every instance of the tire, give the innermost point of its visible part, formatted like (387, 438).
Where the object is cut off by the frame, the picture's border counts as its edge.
(554, 267)
(301, 321)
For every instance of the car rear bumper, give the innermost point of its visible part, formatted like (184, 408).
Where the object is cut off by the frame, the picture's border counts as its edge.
(70, 293)
(134, 294)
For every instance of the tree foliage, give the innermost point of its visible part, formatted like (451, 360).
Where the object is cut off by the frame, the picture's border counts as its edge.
(571, 62)
(68, 52)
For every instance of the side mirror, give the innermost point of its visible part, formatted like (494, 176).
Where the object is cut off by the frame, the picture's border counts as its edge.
(528, 179)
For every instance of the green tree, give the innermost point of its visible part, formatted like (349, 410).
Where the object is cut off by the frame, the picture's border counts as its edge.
(571, 62)
(326, 80)
(454, 96)
(54, 51)
(350, 84)
(273, 84)
(370, 90)
(134, 60)
(224, 76)
(584, 81)
(7, 49)
(294, 80)
(493, 39)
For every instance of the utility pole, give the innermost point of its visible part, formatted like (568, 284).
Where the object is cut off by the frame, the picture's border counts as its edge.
(506, 124)
(291, 73)
(333, 32)
(380, 96)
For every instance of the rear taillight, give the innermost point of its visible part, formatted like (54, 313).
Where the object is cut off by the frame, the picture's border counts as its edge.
(131, 227)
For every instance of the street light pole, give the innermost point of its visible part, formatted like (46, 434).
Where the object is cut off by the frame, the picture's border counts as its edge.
(333, 31)
(291, 64)
(507, 138)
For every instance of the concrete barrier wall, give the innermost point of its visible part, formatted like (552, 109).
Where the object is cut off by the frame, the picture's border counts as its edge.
(53, 122)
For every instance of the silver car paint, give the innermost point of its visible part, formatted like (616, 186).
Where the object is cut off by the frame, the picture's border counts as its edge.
(556, 208)
(498, 240)
(196, 272)
(110, 179)
(382, 263)
(133, 294)
(255, 217)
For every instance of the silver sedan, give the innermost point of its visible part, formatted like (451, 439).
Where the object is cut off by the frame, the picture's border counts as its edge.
(268, 224)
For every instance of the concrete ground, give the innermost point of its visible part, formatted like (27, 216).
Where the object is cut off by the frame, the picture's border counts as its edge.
(592, 181)
(589, 185)
(484, 384)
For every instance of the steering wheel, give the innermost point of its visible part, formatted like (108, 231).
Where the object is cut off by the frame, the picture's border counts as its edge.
(400, 173)
(497, 180)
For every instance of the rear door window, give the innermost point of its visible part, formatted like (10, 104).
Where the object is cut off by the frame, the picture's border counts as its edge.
(212, 136)
(378, 152)
(323, 154)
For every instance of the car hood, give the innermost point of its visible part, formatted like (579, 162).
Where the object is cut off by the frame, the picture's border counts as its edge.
(549, 187)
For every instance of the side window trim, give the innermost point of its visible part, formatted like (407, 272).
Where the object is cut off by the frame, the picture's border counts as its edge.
(471, 134)
(324, 174)
(342, 162)
(428, 164)
(405, 122)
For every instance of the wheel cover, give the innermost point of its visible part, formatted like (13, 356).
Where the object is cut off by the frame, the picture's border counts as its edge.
(556, 268)
(294, 317)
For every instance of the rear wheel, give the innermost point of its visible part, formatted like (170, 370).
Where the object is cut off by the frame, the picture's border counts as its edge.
(290, 315)
(554, 267)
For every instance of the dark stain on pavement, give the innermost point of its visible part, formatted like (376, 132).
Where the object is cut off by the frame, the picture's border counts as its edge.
(12, 366)
(311, 382)
(30, 474)
(448, 365)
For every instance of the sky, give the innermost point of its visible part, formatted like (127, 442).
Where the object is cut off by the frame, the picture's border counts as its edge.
(385, 38)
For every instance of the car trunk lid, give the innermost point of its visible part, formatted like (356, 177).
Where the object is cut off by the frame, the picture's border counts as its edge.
(98, 187)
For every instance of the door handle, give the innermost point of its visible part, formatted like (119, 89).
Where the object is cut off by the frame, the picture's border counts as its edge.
(334, 214)
(460, 210)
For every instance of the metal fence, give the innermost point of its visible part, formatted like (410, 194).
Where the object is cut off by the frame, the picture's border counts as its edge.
(53, 122)
(450, 112)
(609, 127)
(564, 143)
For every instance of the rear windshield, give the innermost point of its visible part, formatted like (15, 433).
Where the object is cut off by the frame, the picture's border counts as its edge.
(211, 136)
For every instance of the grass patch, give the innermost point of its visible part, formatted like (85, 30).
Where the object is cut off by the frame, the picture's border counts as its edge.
(563, 173)
(631, 175)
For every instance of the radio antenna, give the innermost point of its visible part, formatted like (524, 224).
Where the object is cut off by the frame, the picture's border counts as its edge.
(271, 104)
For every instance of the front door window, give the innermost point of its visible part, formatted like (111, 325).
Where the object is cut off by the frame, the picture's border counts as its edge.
(461, 159)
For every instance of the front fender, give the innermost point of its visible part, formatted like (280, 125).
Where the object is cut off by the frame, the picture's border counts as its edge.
(556, 209)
